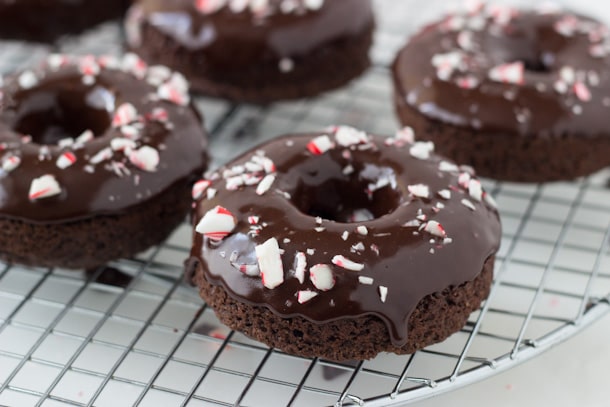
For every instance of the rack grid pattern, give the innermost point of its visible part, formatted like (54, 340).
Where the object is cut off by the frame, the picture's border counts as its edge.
(133, 333)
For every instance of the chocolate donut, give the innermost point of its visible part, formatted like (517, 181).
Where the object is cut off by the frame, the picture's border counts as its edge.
(46, 20)
(343, 245)
(518, 95)
(256, 51)
(97, 156)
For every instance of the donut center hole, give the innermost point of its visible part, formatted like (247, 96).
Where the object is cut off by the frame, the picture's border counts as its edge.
(542, 63)
(61, 110)
(363, 194)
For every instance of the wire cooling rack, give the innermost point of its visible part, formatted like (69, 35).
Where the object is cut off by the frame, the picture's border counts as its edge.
(134, 334)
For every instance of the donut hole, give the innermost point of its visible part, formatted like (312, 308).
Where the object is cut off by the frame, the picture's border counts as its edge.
(366, 193)
(63, 109)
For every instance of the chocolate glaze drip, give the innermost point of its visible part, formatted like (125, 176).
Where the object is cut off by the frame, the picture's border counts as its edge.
(547, 102)
(58, 104)
(231, 40)
(396, 248)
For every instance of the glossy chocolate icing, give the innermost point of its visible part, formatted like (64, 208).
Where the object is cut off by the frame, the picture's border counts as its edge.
(230, 40)
(397, 248)
(53, 103)
(565, 86)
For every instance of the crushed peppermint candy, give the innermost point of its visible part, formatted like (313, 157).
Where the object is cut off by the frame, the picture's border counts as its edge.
(11, 162)
(513, 73)
(468, 204)
(435, 229)
(383, 293)
(300, 265)
(124, 114)
(304, 296)
(216, 224)
(145, 158)
(348, 136)
(365, 280)
(44, 187)
(342, 261)
(265, 184)
(362, 230)
(422, 150)
(321, 276)
(199, 188)
(65, 160)
(270, 263)
(419, 190)
(320, 145)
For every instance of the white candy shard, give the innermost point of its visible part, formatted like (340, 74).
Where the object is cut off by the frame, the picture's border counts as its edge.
(362, 230)
(300, 265)
(122, 144)
(422, 150)
(468, 204)
(348, 136)
(305, 296)
(44, 187)
(265, 184)
(475, 190)
(346, 263)
(446, 166)
(383, 293)
(270, 263)
(321, 275)
(365, 280)
(445, 194)
(216, 224)
(27, 80)
(419, 190)
(146, 158)
(102, 155)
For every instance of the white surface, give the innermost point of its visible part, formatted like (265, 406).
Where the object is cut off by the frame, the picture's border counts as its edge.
(574, 373)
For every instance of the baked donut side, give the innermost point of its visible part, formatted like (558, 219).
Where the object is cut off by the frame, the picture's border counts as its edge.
(281, 50)
(97, 157)
(375, 244)
(46, 21)
(519, 95)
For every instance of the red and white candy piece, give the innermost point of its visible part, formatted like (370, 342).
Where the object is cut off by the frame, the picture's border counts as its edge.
(250, 270)
(346, 263)
(134, 65)
(435, 229)
(300, 265)
(269, 259)
(125, 114)
(321, 275)
(447, 63)
(145, 158)
(122, 144)
(305, 296)
(216, 224)
(65, 160)
(158, 114)
(102, 155)
(85, 137)
(88, 67)
(175, 90)
(508, 73)
(199, 188)
(44, 187)
(11, 162)
(320, 145)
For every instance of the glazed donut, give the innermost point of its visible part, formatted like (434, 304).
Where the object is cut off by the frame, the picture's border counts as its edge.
(518, 95)
(256, 51)
(342, 245)
(97, 155)
(46, 20)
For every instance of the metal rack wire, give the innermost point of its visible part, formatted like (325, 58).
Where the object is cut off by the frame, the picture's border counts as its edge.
(134, 334)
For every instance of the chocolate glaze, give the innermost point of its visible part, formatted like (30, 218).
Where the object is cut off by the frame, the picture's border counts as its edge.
(60, 105)
(45, 20)
(229, 41)
(411, 262)
(537, 106)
